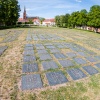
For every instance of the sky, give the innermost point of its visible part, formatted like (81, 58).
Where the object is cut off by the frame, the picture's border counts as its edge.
(51, 8)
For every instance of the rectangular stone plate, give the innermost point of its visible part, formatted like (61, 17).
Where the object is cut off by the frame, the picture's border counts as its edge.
(56, 78)
(32, 81)
(76, 73)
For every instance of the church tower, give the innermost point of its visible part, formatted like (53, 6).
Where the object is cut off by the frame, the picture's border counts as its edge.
(24, 13)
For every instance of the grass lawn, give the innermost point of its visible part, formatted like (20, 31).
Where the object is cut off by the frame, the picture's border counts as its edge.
(55, 42)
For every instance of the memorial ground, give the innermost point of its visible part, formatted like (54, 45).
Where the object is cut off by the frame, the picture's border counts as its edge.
(49, 64)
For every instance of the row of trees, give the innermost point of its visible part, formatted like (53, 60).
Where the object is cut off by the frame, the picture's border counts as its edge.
(9, 12)
(80, 18)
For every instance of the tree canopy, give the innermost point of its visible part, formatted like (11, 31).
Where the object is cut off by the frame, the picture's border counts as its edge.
(9, 12)
(80, 18)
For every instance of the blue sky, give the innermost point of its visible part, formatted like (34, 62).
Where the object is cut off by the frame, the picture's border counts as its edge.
(51, 8)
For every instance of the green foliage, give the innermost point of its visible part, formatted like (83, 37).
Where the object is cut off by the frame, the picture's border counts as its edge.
(9, 12)
(41, 19)
(30, 21)
(62, 20)
(73, 19)
(80, 18)
(94, 16)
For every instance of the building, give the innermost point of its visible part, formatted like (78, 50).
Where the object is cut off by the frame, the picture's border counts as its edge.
(48, 22)
(34, 19)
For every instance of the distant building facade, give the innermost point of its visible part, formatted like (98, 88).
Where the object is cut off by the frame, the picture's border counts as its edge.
(35, 19)
(48, 22)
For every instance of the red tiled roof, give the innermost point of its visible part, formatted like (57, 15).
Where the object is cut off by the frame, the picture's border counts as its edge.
(49, 20)
(22, 20)
(36, 19)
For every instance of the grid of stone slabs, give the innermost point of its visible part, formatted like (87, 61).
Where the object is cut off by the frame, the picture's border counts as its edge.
(66, 63)
(31, 67)
(31, 81)
(90, 70)
(45, 57)
(76, 73)
(49, 65)
(56, 78)
(80, 61)
(59, 55)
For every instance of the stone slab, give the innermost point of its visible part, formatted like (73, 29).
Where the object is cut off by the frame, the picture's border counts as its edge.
(90, 70)
(59, 55)
(55, 78)
(91, 59)
(28, 52)
(98, 65)
(54, 51)
(80, 61)
(76, 73)
(71, 54)
(45, 57)
(66, 63)
(49, 65)
(31, 67)
(32, 81)
(29, 59)
(50, 47)
(42, 51)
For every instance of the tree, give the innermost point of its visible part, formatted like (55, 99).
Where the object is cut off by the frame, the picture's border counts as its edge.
(57, 20)
(41, 19)
(9, 12)
(72, 21)
(67, 16)
(82, 18)
(94, 17)
(30, 21)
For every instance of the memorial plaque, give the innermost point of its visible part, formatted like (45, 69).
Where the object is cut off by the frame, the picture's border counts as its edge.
(91, 59)
(90, 70)
(56, 78)
(31, 67)
(50, 47)
(71, 54)
(80, 61)
(28, 52)
(29, 58)
(45, 57)
(32, 81)
(66, 63)
(76, 73)
(49, 65)
(98, 65)
(42, 51)
(59, 55)
(54, 51)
